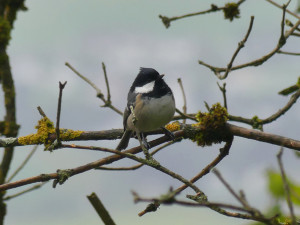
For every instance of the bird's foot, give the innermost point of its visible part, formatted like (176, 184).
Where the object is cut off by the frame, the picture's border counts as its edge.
(169, 134)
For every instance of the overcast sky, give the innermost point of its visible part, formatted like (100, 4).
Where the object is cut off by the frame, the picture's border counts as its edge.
(127, 35)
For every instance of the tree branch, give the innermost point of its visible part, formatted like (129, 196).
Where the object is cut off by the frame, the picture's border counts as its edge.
(185, 128)
(86, 167)
(279, 113)
(257, 62)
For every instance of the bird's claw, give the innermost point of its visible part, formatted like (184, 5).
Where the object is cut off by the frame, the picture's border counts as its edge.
(169, 134)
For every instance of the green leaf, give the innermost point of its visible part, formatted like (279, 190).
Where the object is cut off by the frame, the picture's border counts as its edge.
(275, 184)
(276, 187)
(295, 193)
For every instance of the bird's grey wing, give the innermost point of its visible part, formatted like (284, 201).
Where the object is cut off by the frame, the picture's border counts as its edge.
(130, 102)
(127, 133)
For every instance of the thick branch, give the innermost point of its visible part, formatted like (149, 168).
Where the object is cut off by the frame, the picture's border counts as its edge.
(231, 129)
(86, 167)
(263, 137)
(8, 12)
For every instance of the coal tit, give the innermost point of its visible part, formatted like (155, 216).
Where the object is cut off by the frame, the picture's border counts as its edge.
(150, 105)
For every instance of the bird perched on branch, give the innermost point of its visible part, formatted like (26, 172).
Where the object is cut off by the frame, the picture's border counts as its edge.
(150, 105)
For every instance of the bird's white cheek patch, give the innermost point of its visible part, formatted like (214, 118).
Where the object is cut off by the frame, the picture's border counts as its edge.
(145, 89)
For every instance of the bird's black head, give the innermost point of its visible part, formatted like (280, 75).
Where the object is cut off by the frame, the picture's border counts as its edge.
(148, 83)
(145, 76)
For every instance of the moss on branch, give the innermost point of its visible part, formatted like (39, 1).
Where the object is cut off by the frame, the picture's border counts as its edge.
(44, 128)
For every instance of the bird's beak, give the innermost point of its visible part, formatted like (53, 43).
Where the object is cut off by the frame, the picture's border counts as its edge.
(161, 76)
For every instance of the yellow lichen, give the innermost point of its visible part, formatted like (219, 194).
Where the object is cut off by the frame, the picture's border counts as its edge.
(211, 124)
(44, 128)
(68, 134)
(175, 126)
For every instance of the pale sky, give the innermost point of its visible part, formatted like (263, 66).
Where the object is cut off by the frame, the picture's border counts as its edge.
(127, 35)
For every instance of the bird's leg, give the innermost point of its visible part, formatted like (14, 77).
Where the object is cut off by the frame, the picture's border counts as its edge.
(144, 144)
(168, 133)
(144, 141)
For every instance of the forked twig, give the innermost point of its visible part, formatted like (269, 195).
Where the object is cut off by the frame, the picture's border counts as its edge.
(240, 46)
(279, 113)
(259, 61)
(279, 6)
(107, 102)
(223, 90)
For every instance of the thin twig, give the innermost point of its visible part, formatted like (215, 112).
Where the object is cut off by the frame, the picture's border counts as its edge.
(214, 8)
(240, 46)
(167, 21)
(98, 91)
(135, 166)
(296, 34)
(34, 187)
(229, 188)
(286, 186)
(41, 111)
(61, 87)
(186, 203)
(22, 164)
(107, 84)
(100, 209)
(184, 107)
(290, 24)
(293, 99)
(223, 90)
(223, 153)
(282, 39)
(283, 110)
(184, 116)
(289, 53)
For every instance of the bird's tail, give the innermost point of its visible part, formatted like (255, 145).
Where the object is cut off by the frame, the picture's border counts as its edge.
(124, 140)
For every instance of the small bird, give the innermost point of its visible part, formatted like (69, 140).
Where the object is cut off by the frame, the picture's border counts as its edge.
(150, 105)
